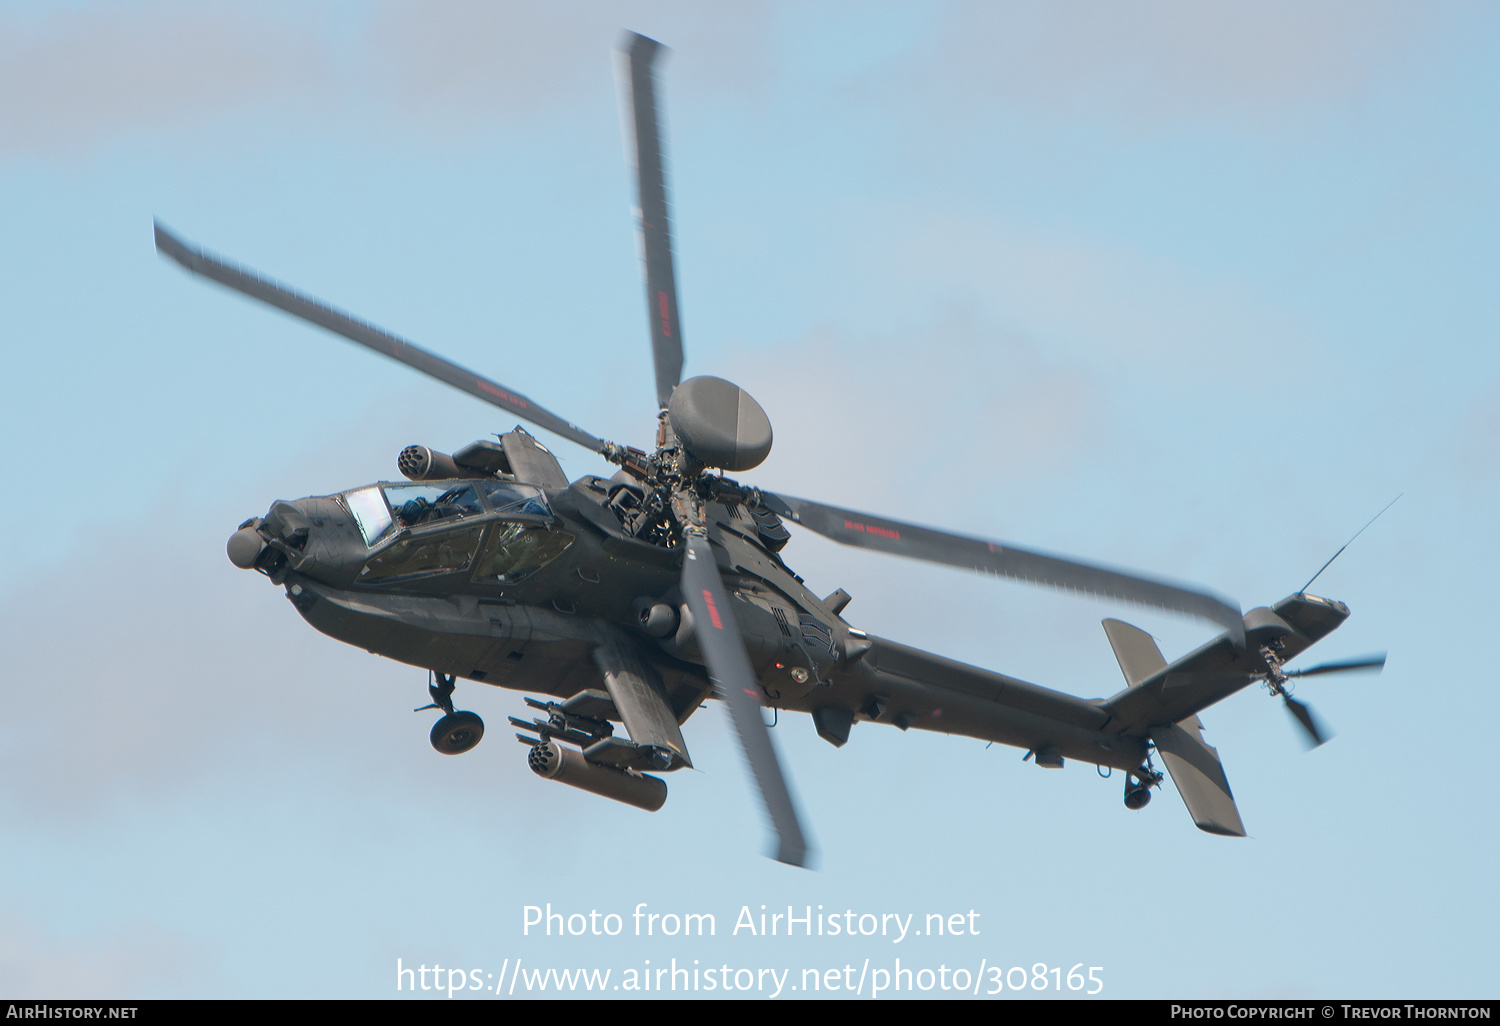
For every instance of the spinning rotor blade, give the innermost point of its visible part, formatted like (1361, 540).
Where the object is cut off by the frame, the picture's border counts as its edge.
(864, 531)
(1313, 729)
(1316, 733)
(247, 282)
(655, 220)
(1366, 663)
(729, 667)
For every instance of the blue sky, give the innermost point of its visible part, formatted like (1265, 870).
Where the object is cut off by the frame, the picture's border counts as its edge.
(1194, 291)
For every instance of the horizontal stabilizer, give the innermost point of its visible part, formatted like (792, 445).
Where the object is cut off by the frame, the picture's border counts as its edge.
(1135, 650)
(1199, 776)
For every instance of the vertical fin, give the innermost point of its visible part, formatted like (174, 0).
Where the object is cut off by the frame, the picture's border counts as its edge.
(1135, 650)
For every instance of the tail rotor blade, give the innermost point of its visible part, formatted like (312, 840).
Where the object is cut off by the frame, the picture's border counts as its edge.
(1375, 662)
(865, 531)
(1316, 733)
(729, 667)
(655, 219)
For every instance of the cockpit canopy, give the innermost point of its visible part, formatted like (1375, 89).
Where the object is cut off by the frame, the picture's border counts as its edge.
(443, 532)
(381, 510)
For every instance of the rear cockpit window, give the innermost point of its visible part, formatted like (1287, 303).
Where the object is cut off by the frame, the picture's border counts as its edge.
(517, 551)
(506, 497)
(420, 503)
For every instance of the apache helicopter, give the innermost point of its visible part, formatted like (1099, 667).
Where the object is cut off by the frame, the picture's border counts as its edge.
(632, 600)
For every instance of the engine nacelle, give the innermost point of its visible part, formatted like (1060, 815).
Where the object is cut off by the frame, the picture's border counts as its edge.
(568, 766)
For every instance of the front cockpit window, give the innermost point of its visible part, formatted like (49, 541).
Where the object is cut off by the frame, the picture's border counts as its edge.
(369, 512)
(444, 553)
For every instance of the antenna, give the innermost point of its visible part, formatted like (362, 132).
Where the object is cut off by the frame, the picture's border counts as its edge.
(1346, 544)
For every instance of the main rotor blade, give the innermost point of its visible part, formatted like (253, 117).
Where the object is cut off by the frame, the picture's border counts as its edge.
(1316, 733)
(729, 667)
(655, 223)
(247, 282)
(1376, 662)
(865, 531)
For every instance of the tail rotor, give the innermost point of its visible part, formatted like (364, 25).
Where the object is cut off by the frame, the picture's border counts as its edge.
(1315, 732)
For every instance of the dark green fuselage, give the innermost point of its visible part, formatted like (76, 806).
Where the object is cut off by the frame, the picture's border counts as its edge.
(535, 631)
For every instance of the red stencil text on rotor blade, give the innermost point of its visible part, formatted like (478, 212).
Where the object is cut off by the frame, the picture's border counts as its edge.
(730, 669)
(865, 531)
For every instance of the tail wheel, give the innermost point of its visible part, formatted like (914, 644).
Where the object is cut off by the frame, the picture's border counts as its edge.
(457, 732)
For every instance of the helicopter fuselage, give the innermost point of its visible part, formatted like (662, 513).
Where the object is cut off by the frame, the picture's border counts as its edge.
(519, 590)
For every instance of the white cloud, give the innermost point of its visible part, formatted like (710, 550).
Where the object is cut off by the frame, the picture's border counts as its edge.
(77, 78)
(80, 77)
(144, 664)
(1122, 306)
(122, 960)
(907, 410)
(462, 60)
(1163, 61)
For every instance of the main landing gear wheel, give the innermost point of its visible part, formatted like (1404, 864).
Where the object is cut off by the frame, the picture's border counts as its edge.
(457, 732)
(1137, 798)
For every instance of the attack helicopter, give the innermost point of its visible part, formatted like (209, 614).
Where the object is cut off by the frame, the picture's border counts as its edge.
(629, 601)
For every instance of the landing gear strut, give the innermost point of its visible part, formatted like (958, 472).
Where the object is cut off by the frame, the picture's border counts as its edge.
(456, 732)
